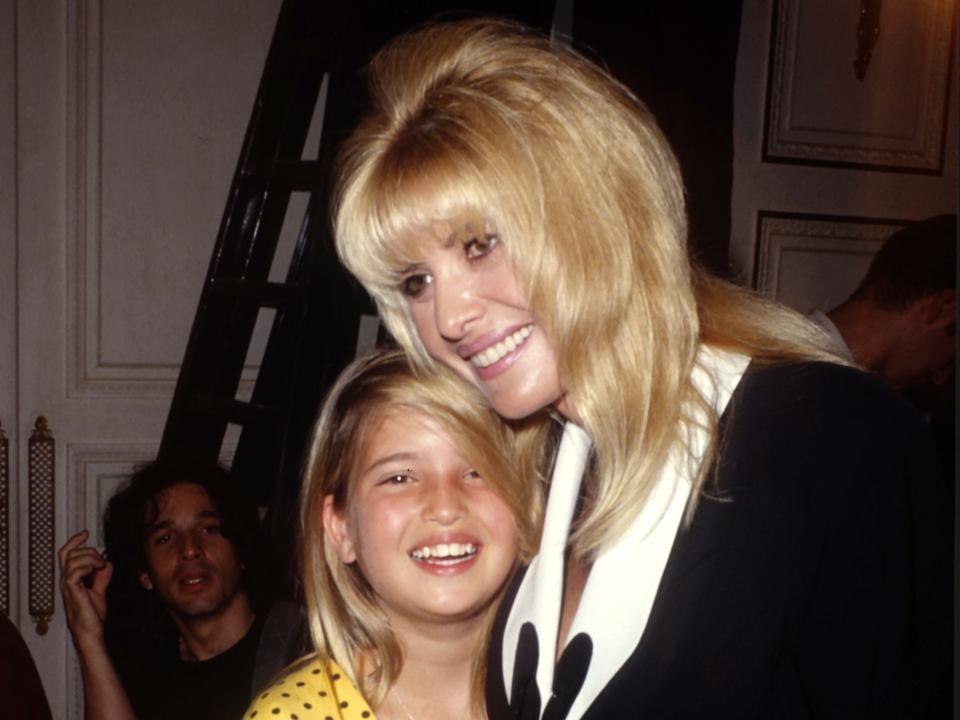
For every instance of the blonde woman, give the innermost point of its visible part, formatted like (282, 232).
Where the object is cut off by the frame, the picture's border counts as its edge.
(737, 524)
(414, 513)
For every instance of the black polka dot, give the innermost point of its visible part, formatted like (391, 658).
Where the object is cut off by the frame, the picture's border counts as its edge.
(328, 717)
(253, 714)
(307, 706)
(276, 711)
(317, 671)
(301, 684)
(262, 697)
(335, 676)
(323, 693)
(344, 704)
(365, 713)
(293, 716)
(284, 694)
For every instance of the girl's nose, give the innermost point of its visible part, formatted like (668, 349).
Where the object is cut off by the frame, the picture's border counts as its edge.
(444, 503)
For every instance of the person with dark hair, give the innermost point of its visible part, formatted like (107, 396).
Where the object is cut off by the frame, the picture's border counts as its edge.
(182, 634)
(900, 322)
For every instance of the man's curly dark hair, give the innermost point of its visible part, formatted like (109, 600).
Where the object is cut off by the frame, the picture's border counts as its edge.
(135, 614)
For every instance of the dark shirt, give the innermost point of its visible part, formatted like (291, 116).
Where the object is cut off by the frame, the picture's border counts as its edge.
(21, 693)
(160, 685)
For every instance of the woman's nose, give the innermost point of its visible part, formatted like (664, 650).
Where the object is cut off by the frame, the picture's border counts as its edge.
(456, 306)
(445, 503)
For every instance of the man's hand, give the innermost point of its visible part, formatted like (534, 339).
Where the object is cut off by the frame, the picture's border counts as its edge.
(84, 576)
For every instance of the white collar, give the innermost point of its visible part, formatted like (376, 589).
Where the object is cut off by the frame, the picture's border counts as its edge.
(634, 564)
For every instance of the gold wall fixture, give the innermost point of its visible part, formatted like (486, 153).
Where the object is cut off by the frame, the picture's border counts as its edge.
(4, 523)
(868, 30)
(42, 481)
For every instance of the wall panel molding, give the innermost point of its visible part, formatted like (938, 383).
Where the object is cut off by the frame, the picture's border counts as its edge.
(811, 261)
(893, 119)
(90, 372)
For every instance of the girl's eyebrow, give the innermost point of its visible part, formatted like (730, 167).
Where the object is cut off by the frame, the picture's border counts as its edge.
(387, 459)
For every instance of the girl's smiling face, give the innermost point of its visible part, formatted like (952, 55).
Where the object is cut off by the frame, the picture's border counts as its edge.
(434, 542)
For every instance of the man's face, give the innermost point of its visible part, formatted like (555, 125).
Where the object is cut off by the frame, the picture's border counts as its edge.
(926, 343)
(190, 565)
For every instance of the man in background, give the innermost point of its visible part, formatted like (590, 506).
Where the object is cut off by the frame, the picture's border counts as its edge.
(182, 635)
(900, 323)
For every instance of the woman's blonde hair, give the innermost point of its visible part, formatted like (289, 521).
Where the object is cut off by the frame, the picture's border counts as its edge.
(488, 121)
(346, 621)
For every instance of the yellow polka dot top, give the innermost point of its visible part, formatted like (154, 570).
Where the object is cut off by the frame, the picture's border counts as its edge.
(315, 690)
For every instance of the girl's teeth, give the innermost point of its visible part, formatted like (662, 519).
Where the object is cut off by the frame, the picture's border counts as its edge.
(444, 550)
(507, 345)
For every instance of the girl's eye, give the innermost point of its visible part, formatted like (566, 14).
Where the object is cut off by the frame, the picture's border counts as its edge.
(161, 539)
(413, 286)
(397, 479)
(480, 245)
(472, 474)
(212, 529)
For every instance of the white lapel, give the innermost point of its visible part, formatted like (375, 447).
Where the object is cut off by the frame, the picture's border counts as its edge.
(623, 581)
(545, 574)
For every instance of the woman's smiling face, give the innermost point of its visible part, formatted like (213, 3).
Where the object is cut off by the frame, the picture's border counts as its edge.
(431, 538)
(471, 314)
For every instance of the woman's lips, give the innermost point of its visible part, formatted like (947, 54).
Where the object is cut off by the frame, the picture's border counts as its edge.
(496, 357)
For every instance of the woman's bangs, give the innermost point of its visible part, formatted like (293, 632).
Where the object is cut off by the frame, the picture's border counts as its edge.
(442, 189)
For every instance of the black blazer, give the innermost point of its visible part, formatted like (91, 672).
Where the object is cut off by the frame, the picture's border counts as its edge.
(818, 585)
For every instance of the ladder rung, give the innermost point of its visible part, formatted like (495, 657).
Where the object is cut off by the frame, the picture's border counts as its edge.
(236, 411)
(268, 294)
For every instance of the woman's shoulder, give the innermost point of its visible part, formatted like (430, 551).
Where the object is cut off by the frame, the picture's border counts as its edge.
(827, 425)
(312, 688)
(822, 394)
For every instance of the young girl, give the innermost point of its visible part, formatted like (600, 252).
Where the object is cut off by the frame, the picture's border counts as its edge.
(737, 526)
(415, 509)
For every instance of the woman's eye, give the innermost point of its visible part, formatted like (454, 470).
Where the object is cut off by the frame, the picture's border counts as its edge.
(473, 475)
(480, 245)
(161, 539)
(413, 286)
(212, 529)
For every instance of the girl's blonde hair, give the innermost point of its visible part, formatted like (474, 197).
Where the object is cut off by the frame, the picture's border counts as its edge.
(346, 621)
(485, 121)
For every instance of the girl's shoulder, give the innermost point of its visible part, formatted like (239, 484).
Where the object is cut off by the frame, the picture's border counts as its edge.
(312, 688)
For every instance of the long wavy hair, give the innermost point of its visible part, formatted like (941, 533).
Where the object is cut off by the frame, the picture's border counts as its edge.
(489, 120)
(346, 621)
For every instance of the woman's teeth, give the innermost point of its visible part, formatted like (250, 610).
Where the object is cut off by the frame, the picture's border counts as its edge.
(445, 550)
(488, 357)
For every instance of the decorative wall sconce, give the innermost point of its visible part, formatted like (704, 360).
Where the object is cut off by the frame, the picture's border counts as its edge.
(868, 30)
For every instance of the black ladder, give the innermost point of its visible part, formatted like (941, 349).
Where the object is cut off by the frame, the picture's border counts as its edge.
(316, 293)
(317, 307)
